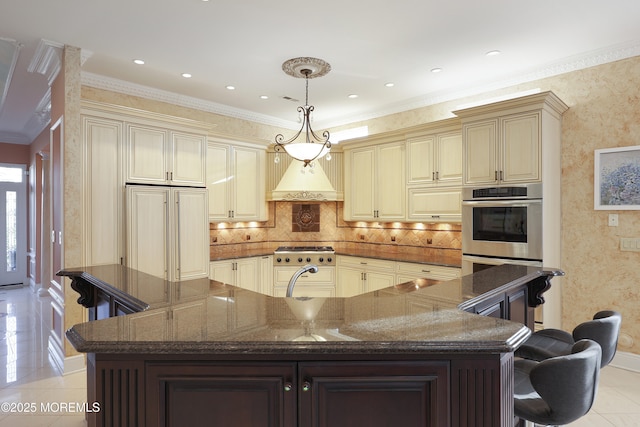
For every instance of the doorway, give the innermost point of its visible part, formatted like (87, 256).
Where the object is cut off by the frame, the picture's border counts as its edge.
(13, 224)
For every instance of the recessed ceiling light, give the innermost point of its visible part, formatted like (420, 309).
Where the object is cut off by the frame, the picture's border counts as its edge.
(138, 61)
(186, 75)
(264, 97)
(352, 96)
(231, 87)
(436, 70)
(493, 53)
(390, 84)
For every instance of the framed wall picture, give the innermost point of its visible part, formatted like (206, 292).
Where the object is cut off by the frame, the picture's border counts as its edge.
(617, 178)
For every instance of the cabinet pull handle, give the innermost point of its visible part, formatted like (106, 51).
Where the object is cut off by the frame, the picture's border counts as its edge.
(288, 386)
(501, 176)
(433, 176)
(495, 175)
(426, 271)
(306, 386)
(437, 176)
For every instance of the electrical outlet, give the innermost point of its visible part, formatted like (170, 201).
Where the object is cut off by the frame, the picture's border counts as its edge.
(613, 220)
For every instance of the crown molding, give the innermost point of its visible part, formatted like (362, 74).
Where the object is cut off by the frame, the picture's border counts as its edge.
(47, 60)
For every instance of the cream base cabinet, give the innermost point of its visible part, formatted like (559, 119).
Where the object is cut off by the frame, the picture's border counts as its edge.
(358, 275)
(241, 272)
(161, 156)
(320, 284)
(236, 183)
(407, 271)
(373, 177)
(167, 232)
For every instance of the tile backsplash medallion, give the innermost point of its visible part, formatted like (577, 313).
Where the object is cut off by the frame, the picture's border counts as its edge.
(438, 242)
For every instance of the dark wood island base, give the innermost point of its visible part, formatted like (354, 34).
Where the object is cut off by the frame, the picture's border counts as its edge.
(201, 353)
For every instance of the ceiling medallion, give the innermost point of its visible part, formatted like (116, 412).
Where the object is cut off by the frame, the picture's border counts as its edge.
(312, 146)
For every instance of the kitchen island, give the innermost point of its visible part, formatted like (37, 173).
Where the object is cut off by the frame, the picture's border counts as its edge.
(203, 353)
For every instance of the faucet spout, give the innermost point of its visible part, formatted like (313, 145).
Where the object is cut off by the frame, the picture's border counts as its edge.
(307, 268)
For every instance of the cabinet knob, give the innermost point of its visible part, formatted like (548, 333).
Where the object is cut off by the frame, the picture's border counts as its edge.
(306, 386)
(288, 386)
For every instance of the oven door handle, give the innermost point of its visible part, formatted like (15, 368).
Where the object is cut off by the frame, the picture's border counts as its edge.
(510, 202)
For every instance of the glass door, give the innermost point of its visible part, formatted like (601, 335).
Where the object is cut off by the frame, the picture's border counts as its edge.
(13, 224)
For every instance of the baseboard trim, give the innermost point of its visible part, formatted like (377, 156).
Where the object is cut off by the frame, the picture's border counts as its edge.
(628, 361)
(66, 365)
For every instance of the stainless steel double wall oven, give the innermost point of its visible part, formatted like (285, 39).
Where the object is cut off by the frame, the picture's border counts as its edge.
(501, 224)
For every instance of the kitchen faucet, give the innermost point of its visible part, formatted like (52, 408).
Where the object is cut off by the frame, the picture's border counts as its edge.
(307, 268)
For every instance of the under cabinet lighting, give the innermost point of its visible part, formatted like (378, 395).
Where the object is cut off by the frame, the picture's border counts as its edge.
(436, 70)
(138, 61)
(186, 75)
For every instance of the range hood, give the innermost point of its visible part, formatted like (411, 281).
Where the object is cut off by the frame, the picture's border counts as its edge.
(310, 183)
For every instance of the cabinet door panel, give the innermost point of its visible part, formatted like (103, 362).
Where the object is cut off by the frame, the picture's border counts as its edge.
(192, 239)
(249, 183)
(247, 274)
(222, 271)
(374, 394)
(521, 148)
(449, 159)
(148, 230)
(188, 159)
(218, 178)
(361, 186)
(434, 204)
(376, 280)
(420, 160)
(390, 182)
(480, 160)
(103, 139)
(349, 281)
(146, 155)
(222, 395)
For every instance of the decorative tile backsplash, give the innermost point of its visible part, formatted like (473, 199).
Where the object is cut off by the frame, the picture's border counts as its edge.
(441, 241)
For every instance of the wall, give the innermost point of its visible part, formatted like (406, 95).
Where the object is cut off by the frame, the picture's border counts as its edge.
(14, 153)
(438, 243)
(603, 112)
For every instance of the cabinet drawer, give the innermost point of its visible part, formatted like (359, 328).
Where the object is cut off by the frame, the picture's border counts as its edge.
(428, 271)
(367, 263)
(282, 275)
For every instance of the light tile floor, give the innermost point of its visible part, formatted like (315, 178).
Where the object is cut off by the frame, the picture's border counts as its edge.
(30, 381)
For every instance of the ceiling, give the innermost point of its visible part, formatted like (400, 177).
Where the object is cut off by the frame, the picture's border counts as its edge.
(243, 43)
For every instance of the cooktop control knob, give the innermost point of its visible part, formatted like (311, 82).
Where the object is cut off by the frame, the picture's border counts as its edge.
(329, 259)
(321, 259)
(287, 259)
(278, 259)
(300, 259)
(308, 259)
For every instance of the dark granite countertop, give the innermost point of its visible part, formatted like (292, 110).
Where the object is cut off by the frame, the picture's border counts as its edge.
(203, 316)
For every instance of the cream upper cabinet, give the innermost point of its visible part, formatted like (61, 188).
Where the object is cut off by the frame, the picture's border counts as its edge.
(435, 159)
(375, 182)
(428, 204)
(513, 141)
(503, 150)
(236, 184)
(157, 155)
